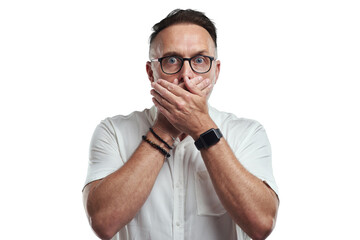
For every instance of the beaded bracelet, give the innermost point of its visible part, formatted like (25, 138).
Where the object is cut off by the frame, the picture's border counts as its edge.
(154, 145)
(160, 139)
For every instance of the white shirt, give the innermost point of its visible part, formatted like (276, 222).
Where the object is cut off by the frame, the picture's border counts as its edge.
(183, 203)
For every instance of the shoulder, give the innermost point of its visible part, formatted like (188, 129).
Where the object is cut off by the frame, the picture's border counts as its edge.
(136, 119)
(239, 131)
(230, 122)
(124, 128)
(134, 116)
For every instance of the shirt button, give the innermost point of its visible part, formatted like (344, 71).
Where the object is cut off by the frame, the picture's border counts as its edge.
(177, 224)
(177, 185)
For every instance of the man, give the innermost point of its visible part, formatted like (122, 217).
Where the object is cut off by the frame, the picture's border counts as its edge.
(146, 177)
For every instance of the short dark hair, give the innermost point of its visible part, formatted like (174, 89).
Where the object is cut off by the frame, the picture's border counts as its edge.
(185, 16)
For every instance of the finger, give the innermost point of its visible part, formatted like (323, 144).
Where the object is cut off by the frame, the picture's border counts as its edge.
(165, 92)
(169, 89)
(197, 80)
(182, 85)
(206, 91)
(192, 87)
(204, 84)
(163, 110)
(160, 100)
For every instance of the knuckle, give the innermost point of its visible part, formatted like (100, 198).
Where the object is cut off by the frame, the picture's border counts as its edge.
(187, 97)
(180, 105)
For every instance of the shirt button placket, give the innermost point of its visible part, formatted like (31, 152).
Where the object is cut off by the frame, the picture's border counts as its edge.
(178, 220)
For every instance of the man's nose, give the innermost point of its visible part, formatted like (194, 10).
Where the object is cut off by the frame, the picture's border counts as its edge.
(186, 71)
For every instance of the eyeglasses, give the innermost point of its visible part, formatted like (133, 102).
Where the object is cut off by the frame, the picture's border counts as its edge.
(173, 64)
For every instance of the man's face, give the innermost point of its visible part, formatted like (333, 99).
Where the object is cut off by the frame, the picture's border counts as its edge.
(184, 40)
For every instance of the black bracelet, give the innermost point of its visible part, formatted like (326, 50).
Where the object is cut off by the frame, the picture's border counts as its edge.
(154, 145)
(160, 139)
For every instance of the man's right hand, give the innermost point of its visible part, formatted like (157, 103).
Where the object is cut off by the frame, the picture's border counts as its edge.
(163, 125)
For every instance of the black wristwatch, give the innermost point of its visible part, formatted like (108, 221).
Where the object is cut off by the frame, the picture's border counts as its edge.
(208, 138)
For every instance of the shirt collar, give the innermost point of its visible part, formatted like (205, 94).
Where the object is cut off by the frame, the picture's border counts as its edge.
(152, 115)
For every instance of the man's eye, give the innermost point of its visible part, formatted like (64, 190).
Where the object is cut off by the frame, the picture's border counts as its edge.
(199, 60)
(172, 60)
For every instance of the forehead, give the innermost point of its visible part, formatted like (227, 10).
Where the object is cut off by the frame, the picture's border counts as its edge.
(182, 39)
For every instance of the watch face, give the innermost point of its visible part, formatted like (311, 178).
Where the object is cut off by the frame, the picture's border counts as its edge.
(210, 138)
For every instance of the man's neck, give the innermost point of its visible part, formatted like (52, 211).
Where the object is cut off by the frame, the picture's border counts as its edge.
(182, 136)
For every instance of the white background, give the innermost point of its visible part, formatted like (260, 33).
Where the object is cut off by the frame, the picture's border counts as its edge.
(66, 65)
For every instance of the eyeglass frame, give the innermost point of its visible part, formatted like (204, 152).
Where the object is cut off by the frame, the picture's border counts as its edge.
(182, 63)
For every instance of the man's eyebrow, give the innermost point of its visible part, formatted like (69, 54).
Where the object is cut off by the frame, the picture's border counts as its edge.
(202, 52)
(173, 53)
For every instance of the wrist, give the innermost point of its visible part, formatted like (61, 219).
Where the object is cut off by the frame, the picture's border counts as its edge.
(166, 138)
(202, 129)
(156, 146)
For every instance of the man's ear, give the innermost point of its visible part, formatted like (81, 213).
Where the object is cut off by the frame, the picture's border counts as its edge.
(217, 70)
(149, 71)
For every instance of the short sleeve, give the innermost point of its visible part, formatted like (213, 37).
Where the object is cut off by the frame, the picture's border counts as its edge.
(254, 152)
(104, 156)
